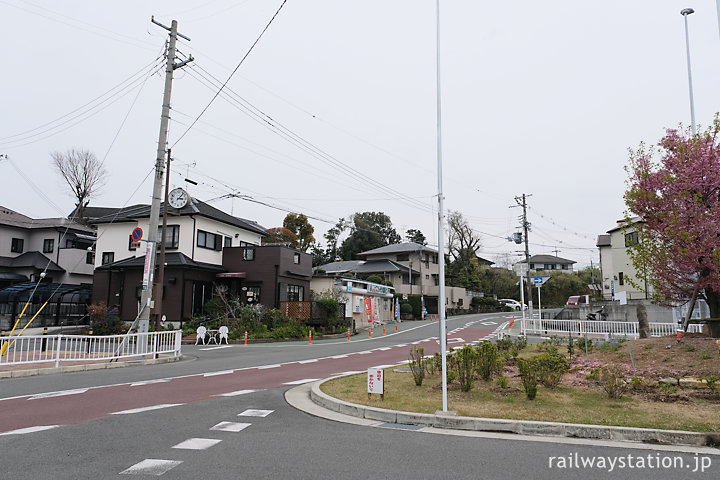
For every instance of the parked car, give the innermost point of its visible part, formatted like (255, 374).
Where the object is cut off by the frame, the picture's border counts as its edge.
(575, 300)
(514, 304)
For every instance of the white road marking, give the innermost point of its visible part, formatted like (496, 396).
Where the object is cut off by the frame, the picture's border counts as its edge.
(312, 360)
(489, 323)
(22, 431)
(251, 412)
(58, 394)
(147, 409)
(365, 352)
(401, 345)
(300, 382)
(197, 443)
(215, 348)
(263, 367)
(351, 372)
(339, 356)
(384, 348)
(235, 393)
(151, 466)
(230, 427)
(149, 382)
(223, 372)
(385, 366)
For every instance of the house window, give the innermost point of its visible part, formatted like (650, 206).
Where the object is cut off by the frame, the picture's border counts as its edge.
(435, 259)
(565, 267)
(621, 278)
(427, 277)
(90, 258)
(460, 302)
(406, 280)
(532, 266)
(248, 254)
(631, 239)
(17, 245)
(108, 257)
(209, 240)
(402, 257)
(227, 242)
(295, 293)
(296, 259)
(48, 245)
(172, 236)
(436, 279)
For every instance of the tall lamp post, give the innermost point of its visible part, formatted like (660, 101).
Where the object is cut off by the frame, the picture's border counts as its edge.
(685, 12)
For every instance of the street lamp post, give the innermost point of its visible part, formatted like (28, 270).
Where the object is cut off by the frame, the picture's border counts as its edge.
(685, 12)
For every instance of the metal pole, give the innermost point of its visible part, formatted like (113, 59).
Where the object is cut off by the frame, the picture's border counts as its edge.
(685, 12)
(441, 218)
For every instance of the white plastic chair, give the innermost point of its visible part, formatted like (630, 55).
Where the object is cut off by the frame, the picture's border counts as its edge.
(223, 333)
(201, 331)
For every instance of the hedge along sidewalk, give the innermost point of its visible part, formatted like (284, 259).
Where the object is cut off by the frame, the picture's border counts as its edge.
(522, 427)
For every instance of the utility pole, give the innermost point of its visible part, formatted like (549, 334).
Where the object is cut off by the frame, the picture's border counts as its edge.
(521, 201)
(159, 287)
(146, 302)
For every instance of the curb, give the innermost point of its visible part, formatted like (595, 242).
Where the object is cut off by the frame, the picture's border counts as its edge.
(85, 367)
(522, 427)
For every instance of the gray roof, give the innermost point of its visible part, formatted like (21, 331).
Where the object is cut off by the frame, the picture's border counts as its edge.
(603, 241)
(173, 259)
(194, 207)
(363, 267)
(408, 247)
(32, 259)
(624, 223)
(549, 259)
(12, 218)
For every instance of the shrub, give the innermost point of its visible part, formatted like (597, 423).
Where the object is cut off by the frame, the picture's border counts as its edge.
(451, 376)
(528, 373)
(611, 346)
(550, 368)
(520, 342)
(613, 380)
(406, 308)
(502, 382)
(290, 329)
(417, 364)
(487, 360)
(711, 382)
(504, 344)
(465, 362)
(582, 342)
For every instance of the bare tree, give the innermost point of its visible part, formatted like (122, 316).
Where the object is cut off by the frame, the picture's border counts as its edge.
(84, 173)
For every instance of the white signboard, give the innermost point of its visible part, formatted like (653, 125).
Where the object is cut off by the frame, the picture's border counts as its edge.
(538, 281)
(376, 381)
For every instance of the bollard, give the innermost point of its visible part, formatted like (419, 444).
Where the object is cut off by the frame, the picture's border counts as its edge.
(396, 326)
(245, 337)
(348, 334)
(383, 329)
(44, 340)
(310, 337)
(370, 332)
(90, 332)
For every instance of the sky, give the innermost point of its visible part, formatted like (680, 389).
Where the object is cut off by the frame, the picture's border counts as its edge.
(334, 110)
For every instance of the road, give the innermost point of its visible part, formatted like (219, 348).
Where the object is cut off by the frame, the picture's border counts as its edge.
(222, 414)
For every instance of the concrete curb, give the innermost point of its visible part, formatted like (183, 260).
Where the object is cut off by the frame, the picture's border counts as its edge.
(522, 427)
(85, 367)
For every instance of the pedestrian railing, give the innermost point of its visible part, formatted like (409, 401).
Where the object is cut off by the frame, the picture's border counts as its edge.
(73, 348)
(609, 329)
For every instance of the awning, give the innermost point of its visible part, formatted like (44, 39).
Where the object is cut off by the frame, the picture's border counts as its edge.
(89, 238)
(297, 273)
(13, 276)
(230, 275)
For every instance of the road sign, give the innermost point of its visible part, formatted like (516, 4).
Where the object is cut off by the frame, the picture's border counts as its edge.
(137, 234)
(538, 281)
(376, 381)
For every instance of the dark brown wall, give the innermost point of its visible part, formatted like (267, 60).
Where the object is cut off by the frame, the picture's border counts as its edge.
(269, 269)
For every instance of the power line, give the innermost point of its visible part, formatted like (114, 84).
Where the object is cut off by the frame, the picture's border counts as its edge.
(231, 75)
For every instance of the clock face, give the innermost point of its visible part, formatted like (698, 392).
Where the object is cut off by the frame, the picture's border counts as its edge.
(178, 198)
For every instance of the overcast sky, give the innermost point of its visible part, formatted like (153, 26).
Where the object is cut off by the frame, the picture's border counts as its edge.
(541, 98)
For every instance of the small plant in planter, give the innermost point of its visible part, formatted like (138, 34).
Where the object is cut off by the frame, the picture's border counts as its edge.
(528, 373)
(417, 364)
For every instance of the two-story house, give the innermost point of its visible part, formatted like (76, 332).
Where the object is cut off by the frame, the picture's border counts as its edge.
(57, 246)
(542, 263)
(616, 267)
(195, 238)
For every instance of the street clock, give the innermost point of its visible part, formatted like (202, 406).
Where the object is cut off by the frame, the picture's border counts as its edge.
(178, 198)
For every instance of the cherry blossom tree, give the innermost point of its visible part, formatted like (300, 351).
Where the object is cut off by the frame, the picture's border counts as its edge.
(675, 189)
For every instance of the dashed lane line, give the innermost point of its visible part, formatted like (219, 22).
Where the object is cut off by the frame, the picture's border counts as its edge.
(151, 466)
(147, 409)
(235, 393)
(197, 443)
(22, 431)
(252, 412)
(230, 427)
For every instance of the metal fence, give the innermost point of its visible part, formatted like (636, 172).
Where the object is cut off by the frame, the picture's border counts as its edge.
(598, 327)
(73, 348)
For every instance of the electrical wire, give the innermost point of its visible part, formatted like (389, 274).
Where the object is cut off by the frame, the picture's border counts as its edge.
(231, 75)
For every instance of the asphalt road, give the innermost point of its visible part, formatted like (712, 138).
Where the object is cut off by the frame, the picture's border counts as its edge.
(220, 416)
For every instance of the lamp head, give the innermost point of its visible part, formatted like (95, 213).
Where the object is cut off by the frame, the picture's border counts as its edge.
(686, 11)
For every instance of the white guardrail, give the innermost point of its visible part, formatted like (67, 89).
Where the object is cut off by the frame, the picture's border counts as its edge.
(598, 327)
(73, 348)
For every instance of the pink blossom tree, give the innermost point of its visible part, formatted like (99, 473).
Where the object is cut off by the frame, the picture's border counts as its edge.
(675, 189)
